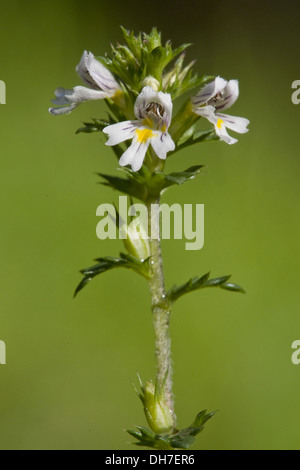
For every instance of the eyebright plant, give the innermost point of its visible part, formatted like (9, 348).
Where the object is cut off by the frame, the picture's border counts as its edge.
(139, 83)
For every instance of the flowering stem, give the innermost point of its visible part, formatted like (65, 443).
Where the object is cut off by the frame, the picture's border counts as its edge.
(160, 308)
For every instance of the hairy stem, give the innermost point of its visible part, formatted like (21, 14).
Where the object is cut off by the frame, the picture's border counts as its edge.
(160, 308)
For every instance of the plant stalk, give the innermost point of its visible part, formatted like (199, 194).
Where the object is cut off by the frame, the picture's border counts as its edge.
(160, 308)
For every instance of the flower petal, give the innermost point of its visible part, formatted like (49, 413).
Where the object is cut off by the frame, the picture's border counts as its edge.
(72, 98)
(120, 132)
(147, 96)
(209, 91)
(220, 129)
(207, 112)
(135, 155)
(60, 94)
(62, 110)
(162, 143)
(235, 123)
(79, 94)
(95, 75)
(230, 96)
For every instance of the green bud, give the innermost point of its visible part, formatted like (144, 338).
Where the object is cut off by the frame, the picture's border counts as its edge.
(170, 78)
(158, 415)
(151, 81)
(136, 241)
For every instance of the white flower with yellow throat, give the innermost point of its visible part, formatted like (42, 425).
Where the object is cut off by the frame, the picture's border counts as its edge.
(217, 96)
(99, 80)
(153, 111)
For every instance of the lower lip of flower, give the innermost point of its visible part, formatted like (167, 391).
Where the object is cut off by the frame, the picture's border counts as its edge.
(143, 135)
(220, 123)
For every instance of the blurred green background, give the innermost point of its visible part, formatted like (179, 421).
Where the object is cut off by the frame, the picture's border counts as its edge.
(70, 363)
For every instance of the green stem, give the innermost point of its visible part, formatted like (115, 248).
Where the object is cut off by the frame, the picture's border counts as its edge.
(160, 308)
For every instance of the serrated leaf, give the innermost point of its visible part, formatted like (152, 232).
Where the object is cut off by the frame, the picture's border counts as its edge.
(216, 282)
(180, 50)
(108, 263)
(134, 42)
(202, 418)
(146, 433)
(184, 438)
(193, 284)
(95, 126)
(196, 138)
(197, 283)
(187, 81)
(146, 438)
(98, 126)
(144, 185)
(233, 287)
(183, 176)
(126, 186)
(186, 135)
(180, 439)
(134, 433)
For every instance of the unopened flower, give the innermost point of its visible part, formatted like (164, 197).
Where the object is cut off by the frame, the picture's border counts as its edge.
(135, 235)
(153, 111)
(151, 82)
(98, 78)
(217, 96)
(158, 415)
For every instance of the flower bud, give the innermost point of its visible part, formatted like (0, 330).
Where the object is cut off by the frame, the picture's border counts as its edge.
(152, 82)
(136, 240)
(158, 415)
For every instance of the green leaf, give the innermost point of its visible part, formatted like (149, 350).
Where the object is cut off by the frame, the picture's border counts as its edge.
(94, 126)
(180, 50)
(188, 134)
(179, 439)
(146, 433)
(216, 282)
(134, 42)
(185, 81)
(191, 138)
(107, 263)
(144, 185)
(185, 438)
(197, 283)
(193, 284)
(160, 57)
(126, 186)
(97, 126)
(202, 418)
(181, 177)
(146, 438)
(145, 55)
(232, 287)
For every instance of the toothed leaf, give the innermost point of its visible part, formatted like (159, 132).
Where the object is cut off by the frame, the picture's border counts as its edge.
(197, 283)
(108, 263)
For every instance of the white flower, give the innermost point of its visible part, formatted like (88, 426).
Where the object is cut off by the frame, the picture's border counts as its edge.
(217, 96)
(98, 78)
(153, 111)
